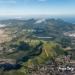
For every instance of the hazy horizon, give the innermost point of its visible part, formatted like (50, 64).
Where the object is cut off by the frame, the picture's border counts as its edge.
(37, 7)
(70, 19)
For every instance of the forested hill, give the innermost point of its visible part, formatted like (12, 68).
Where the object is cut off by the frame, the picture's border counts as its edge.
(43, 27)
(32, 42)
(39, 23)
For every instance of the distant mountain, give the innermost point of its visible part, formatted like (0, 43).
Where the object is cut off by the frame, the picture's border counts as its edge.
(45, 27)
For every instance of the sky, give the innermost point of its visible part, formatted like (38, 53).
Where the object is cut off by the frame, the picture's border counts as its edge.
(37, 7)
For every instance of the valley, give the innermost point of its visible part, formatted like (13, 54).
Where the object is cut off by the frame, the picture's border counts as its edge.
(29, 44)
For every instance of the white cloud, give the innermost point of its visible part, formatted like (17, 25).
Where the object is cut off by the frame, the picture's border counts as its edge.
(42, 0)
(39, 0)
(8, 1)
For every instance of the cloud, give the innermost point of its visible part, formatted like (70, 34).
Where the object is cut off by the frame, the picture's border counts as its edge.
(8, 1)
(37, 0)
(42, 0)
